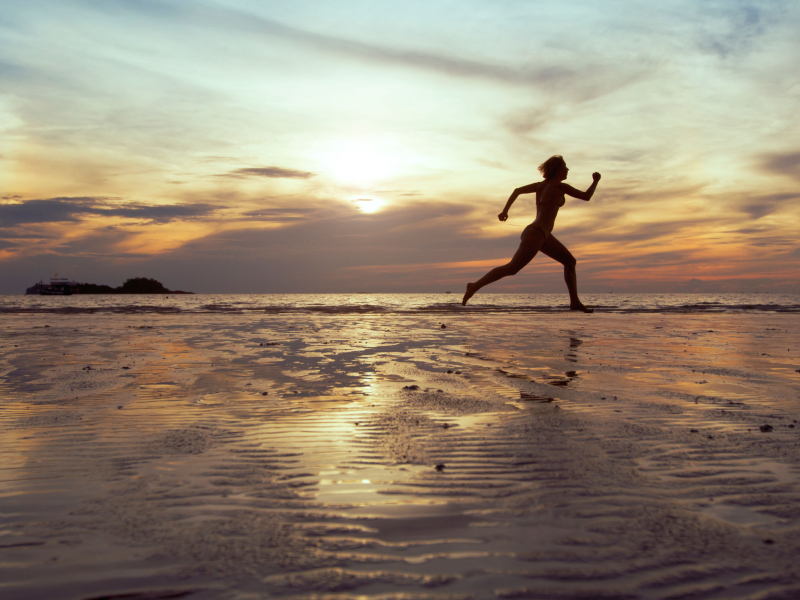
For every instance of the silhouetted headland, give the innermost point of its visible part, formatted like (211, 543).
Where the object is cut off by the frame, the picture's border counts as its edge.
(137, 285)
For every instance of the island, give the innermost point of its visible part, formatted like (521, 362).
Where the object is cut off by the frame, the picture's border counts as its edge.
(65, 287)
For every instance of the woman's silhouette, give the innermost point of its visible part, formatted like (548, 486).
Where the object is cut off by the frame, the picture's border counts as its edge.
(537, 236)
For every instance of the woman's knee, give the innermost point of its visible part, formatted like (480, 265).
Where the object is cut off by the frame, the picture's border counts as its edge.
(513, 269)
(509, 269)
(569, 262)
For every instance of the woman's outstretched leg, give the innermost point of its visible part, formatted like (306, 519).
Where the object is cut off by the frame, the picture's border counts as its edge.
(557, 251)
(528, 248)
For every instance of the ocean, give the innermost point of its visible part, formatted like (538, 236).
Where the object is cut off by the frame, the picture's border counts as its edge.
(397, 303)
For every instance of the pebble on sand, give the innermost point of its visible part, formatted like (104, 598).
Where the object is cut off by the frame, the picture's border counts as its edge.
(765, 428)
(440, 467)
(411, 387)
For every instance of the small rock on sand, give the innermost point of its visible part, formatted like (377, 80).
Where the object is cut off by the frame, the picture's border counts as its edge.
(440, 468)
(765, 428)
(411, 387)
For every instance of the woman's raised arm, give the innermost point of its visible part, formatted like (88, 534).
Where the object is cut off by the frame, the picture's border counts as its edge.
(587, 195)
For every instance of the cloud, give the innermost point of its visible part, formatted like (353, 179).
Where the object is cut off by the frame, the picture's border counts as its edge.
(783, 164)
(590, 80)
(272, 172)
(524, 122)
(279, 214)
(413, 58)
(768, 204)
(623, 232)
(52, 210)
(694, 284)
(59, 210)
(158, 213)
(730, 28)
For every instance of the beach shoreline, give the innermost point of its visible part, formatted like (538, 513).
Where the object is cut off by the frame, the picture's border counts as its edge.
(423, 455)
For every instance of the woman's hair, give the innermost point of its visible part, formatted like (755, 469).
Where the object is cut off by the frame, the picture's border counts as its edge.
(550, 167)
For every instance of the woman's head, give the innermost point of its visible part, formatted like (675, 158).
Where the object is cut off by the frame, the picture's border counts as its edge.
(552, 166)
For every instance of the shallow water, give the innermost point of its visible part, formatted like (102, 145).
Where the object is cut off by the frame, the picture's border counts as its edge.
(563, 455)
(443, 304)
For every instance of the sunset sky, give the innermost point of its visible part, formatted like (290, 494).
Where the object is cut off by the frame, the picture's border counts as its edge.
(317, 146)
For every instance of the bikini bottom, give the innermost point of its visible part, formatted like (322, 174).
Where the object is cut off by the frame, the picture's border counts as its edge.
(535, 227)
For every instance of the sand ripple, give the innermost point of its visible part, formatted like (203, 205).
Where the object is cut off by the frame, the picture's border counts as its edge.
(359, 457)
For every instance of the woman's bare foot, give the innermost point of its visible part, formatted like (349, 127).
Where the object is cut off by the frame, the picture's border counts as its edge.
(471, 289)
(580, 306)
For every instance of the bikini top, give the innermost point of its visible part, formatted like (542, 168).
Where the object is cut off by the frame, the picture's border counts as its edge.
(541, 195)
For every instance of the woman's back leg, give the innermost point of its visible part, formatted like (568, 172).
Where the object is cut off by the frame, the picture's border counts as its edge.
(528, 248)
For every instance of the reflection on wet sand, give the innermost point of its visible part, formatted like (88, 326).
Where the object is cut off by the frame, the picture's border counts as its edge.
(343, 456)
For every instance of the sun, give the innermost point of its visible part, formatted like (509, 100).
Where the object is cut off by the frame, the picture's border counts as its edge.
(369, 205)
(357, 163)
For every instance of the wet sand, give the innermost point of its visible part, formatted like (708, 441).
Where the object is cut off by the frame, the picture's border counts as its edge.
(343, 456)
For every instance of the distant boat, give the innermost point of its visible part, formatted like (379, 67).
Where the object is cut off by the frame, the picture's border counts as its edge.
(58, 286)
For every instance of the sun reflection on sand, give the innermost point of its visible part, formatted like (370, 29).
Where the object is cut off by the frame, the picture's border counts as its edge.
(377, 442)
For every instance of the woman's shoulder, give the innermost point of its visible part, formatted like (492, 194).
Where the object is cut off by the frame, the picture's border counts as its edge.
(550, 185)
